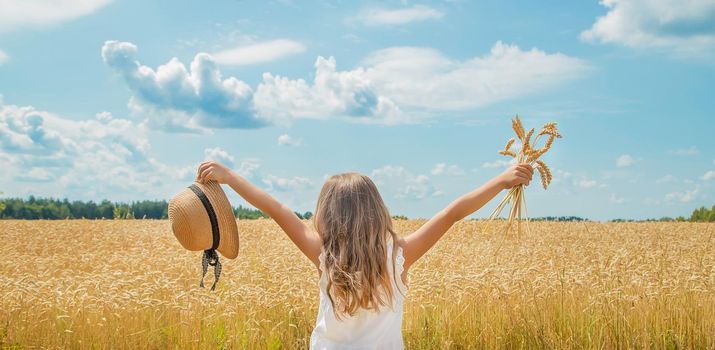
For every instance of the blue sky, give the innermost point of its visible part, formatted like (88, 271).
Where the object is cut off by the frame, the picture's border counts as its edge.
(122, 99)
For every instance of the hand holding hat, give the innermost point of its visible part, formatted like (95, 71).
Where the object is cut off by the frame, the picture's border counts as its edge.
(202, 218)
(212, 170)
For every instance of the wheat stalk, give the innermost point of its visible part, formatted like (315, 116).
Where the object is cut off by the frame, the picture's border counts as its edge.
(529, 154)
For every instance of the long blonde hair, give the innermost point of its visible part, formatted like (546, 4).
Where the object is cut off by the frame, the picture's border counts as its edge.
(355, 224)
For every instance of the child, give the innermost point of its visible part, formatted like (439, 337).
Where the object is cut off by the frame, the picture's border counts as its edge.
(361, 262)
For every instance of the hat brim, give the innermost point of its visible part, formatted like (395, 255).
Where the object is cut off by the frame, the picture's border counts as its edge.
(191, 224)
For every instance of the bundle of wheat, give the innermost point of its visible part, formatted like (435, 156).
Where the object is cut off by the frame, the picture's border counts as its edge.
(530, 154)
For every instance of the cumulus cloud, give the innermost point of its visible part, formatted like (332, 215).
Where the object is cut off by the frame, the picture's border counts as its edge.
(280, 184)
(682, 197)
(249, 168)
(616, 199)
(220, 155)
(577, 181)
(683, 26)
(424, 77)
(438, 168)
(88, 158)
(403, 184)
(287, 140)
(259, 52)
(181, 99)
(3, 57)
(43, 153)
(585, 183)
(332, 93)
(443, 168)
(196, 99)
(499, 163)
(625, 160)
(18, 14)
(690, 151)
(665, 179)
(709, 175)
(200, 92)
(246, 167)
(380, 16)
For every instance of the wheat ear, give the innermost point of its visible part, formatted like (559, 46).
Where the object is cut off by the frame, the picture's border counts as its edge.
(518, 128)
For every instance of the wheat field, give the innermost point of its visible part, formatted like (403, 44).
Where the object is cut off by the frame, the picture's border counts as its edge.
(129, 285)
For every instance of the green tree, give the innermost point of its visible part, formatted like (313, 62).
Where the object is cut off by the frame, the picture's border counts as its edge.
(703, 214)
(242, 212)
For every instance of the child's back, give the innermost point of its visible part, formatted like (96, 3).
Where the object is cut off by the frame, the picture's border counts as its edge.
(367, 329)
(351, 244)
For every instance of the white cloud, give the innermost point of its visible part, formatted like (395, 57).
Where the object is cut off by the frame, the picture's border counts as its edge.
(690, 151)
(36, 174)
(682, 26)
(499, 163)
(248, 167)
(416, 13)
(665, 179)
(709, 175)
(280, 184)
(442, 168)
(92, 158)
(585, 183)
(683, 197)
(287, 140)
(3, 57)
(194, 99)
(625, 160)
(259, 52)
(333, 93)
(426, 78)
(177, 99)
(616, 199)
(220, 155)
(201, 93)
(403, 184)
(20, 14)
(561, 175)
(569, 181)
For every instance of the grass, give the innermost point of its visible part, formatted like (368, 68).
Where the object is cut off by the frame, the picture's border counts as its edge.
(129, 284)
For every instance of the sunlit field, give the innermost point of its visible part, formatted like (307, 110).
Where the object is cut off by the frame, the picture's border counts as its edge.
(130, 285)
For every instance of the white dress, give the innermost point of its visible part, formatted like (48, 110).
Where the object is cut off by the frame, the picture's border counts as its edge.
(367, 329)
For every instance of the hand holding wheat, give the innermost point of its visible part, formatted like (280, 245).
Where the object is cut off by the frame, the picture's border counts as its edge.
(528, 154)
(515, 175)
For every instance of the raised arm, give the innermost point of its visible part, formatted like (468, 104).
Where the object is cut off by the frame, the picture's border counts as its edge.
(419, 242)
(301, 234)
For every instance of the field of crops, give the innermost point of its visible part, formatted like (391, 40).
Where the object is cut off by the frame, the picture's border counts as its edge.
(130, 285)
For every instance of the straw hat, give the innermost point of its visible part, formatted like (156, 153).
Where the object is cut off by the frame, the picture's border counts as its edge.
(206, 223)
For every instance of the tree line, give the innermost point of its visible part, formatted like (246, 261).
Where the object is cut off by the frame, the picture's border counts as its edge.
(34, 208)
(701, 214)
(56, 209)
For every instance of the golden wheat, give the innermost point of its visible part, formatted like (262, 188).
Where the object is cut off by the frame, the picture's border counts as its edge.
(518, 127)
(130, 285)
(544, 173)
(528, 154)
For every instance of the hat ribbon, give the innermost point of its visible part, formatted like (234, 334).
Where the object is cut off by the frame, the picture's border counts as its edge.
(210, 257)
